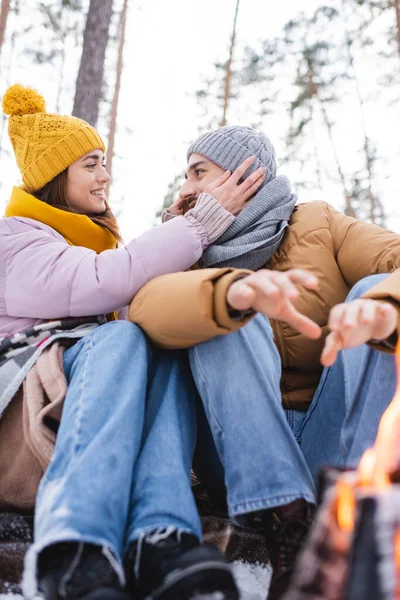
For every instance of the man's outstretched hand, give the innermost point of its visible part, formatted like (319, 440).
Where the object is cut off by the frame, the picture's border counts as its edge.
(356, 323)
(272, 293)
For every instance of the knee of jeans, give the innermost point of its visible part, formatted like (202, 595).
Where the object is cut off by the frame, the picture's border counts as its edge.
(122, 333)
(256, 327)
(362, 286)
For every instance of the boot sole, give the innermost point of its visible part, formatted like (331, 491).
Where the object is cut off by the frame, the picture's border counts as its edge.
(209, 577)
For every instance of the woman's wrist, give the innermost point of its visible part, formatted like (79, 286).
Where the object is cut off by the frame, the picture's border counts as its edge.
(211, 215)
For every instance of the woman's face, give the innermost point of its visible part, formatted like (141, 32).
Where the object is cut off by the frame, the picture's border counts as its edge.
(86, 184)
(200, 172)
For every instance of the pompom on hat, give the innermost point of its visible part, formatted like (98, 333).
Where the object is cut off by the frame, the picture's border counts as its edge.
(45, 144)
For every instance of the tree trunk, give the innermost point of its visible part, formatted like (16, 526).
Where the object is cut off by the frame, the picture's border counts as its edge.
(396, 4)
(4, 10)
(318, 165)
(64, 22)
(228, 77)
(114, 106)
(375, 206)
(90, 76)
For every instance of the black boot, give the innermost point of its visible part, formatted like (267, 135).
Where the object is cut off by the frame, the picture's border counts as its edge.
(168, 565)
(286, 529)
(73, 571)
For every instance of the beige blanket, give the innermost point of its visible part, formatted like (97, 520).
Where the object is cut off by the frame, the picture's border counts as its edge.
(26, 439)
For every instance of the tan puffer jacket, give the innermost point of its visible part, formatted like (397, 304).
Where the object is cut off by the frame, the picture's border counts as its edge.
(182, 309)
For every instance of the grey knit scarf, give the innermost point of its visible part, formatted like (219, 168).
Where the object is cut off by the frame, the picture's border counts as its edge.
(257, 231)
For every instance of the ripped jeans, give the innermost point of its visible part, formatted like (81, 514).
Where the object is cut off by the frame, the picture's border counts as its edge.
(122, 460)
(259, 455)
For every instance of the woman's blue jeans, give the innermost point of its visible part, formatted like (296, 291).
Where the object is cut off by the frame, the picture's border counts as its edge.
(271, 456)
(124, 448)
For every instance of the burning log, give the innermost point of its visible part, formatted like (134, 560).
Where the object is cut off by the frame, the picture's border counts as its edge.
(353, 552)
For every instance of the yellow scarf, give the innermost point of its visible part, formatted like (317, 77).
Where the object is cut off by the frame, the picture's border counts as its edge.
(77, 230)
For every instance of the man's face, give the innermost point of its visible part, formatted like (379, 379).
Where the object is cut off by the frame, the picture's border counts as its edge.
(200, 172)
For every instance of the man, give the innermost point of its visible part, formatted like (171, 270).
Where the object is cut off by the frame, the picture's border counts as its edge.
(270, 455)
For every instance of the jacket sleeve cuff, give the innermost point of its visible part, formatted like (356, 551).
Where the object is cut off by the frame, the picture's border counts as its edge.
(387, 290)
(222, 312)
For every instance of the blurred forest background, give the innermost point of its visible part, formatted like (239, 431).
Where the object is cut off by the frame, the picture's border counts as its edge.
(324, 86)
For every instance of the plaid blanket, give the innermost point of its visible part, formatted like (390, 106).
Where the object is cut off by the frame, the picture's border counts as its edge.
(238, 544)
(19, 352)
(16, 532)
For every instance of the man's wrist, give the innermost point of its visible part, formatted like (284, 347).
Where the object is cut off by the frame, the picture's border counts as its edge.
(239, 315)
(389, 342)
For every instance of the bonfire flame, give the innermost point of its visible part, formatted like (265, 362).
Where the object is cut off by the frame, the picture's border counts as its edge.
(377, 462)
(381, 460)
(374, 472)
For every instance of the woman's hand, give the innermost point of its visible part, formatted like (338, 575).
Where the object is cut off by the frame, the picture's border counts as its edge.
(272, 293)
(356, 323)
(233, 195)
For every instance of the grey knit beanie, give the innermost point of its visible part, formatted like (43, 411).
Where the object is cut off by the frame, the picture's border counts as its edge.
(229, 146)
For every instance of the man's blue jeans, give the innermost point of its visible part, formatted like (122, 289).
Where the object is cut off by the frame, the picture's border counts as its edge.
(124, 448)
(271, 456)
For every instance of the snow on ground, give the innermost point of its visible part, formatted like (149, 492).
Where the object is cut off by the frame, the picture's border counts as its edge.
(253, 581)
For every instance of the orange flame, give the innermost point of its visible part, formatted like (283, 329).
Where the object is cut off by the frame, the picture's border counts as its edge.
(346, 505)
(397, 559)
(376, 463)
(380, 460)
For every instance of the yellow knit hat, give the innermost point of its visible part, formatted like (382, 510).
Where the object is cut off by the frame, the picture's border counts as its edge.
(44, 144)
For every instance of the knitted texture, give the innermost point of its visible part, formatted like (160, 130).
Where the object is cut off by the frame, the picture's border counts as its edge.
(257, 231)
(229, 146)
(214, 218)
(45, 144)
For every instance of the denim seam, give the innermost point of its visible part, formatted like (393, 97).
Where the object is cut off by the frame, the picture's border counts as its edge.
(81, 403)
(313, 404)
(264, 503)
(210, 408)
(343, 445)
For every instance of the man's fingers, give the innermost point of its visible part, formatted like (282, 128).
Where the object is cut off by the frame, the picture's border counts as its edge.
(333, 345)
(265, 285)
(368, 312)
(352, 315)
(302, 277)
(385, 322)
(302, 323)
(335, 317)
(241, 170)
(285, 284)
(295, 276)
